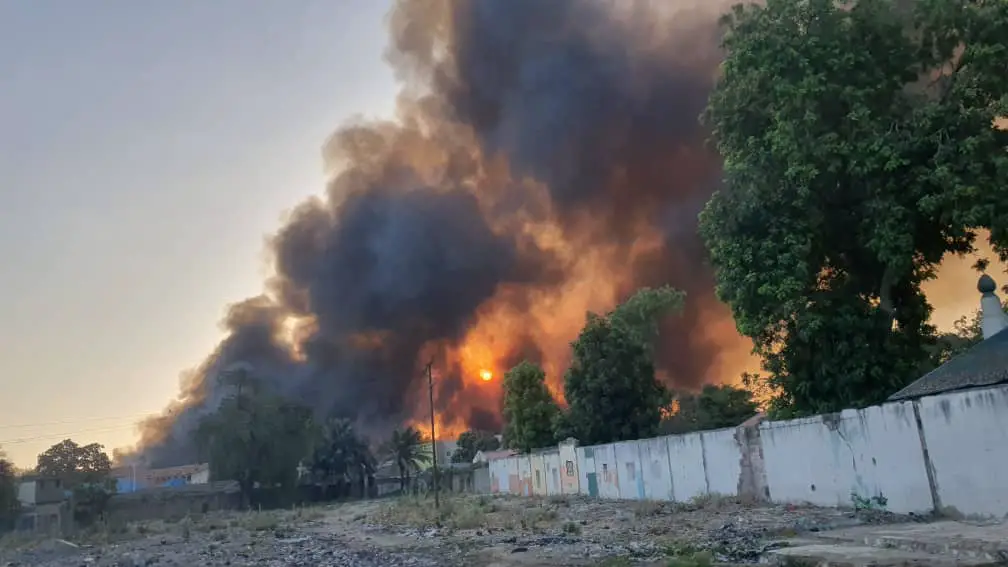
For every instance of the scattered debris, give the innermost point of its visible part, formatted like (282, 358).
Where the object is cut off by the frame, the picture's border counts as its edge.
(464, 530)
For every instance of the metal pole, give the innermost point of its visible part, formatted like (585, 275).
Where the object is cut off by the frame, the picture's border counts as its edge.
(430, 389)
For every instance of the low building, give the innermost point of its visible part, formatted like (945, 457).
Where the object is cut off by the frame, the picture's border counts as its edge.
(445, 450)
(179, 476)
(132, 478)
(44, 504)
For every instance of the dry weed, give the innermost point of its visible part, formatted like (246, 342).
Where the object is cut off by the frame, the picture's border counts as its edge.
(467, 512)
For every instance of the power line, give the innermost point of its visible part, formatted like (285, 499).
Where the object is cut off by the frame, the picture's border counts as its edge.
(74, 421)
(19, 440)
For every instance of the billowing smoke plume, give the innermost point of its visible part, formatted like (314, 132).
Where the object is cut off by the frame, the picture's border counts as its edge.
(547, 160)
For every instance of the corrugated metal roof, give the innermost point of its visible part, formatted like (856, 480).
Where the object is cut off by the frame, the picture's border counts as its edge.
(986, 364)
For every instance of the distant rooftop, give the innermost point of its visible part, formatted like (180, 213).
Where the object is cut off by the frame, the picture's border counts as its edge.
(986, 364)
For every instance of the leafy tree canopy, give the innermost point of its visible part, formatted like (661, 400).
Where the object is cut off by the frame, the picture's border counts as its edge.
(472, 442)
(75, 464)
(859, 147)
(529, 409)
(713, 407)
(643, 311)
(610, 388)
(255, 437)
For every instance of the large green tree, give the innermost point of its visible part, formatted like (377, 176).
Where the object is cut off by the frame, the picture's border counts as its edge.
(529, 408)
(859, 149)
(75, 464)
(713, 407)
(472, 442)
(256, 437)
(610, 388)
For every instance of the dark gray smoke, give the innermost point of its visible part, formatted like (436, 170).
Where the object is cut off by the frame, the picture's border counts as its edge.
(598, 101)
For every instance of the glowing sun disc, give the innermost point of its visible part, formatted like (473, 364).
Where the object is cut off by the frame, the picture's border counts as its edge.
(486, 375)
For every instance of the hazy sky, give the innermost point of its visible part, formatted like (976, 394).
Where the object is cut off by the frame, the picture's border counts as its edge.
(146, 148)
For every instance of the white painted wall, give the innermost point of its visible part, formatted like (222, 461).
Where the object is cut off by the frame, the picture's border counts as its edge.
(586, 466)
(629, 479)
(552, 462)
(967, 440)
(26, 493)
(200, 477)
(874, 452)
(525, 475)
(686, 460)
(568, 485)
(608, 471)
(654, 460)
(498, 475)
(722, 461)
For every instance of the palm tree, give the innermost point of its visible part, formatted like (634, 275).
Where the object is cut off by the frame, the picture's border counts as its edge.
(341, 457)
(406, 447)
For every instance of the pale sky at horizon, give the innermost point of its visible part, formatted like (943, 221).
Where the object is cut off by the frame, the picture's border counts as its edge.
(146, 150)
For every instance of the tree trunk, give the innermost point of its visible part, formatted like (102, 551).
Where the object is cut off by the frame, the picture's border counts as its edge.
(245, 487)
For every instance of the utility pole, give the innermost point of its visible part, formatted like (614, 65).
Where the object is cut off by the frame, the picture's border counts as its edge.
(430, 390)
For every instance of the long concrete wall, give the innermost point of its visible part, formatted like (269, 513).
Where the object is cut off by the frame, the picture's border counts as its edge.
(940, 453)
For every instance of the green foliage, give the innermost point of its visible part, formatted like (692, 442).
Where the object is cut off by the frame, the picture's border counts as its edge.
(340, 457)
(472, 442)
(610, 388)
(255, 437)
(642, 312)
(90, 501)
(529, 409)
(406, 447)
(966, 333)
(75, 464)
(9, 505)
(859, 149)
(713, 408)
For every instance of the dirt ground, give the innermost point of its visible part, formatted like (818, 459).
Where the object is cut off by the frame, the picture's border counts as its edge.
(470, 531)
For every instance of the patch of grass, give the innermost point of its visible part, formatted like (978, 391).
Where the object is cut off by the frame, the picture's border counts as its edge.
(796, 562)
(658, 529)
(681, 548)
(260, 521)
(560, 501)
(699, 559)
(467, 512)
(214, 524)
(15, 541)
(713, 501)
(615, 562)
(309, 514)
(648, 508)
(572, 528)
